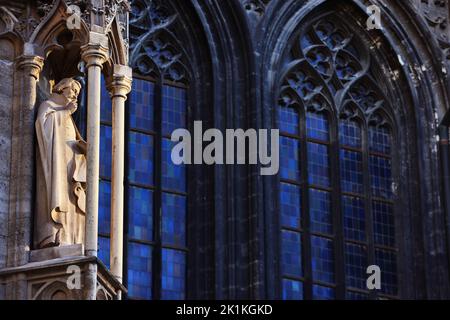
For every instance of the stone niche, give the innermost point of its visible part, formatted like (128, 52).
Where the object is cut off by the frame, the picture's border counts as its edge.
(57, 274)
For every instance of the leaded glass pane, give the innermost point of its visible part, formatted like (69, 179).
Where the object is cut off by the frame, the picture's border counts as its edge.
(383, 224)
(105, 151)
(318, 165)
(387, 261)
(292, 290)
(173, 176)
(351, 171)
(174, 109)
(317, 126)
(139, 271)
(320, 211)
(322, 254)
(104, 207)
(105, 104)
(350, 134)
(140, 213)
(289, 154)
(173, 220)
(292, 255)
(104, 250)
(288, 119)
(290, 205)
(354, 218)
(355, 266)
(142, 105)
(140, 158)
(323, 293)
(173, 274)
(381, 176)
(380, 140)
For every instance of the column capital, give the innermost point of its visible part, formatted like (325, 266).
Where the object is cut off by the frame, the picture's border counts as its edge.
(31, 64)
(94, 54)
(121, 80)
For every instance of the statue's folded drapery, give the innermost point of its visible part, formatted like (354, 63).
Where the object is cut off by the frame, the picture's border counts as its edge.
(61, 175)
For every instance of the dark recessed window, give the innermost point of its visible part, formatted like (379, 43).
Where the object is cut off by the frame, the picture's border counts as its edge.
(156, 191)
(337, 208)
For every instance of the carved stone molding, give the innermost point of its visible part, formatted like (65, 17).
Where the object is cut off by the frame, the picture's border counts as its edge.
(255, 7)
(154, 48)
(32, 65)
(437, 15)
(50, 280)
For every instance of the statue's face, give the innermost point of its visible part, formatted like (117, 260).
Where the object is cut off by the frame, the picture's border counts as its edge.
(71, 93)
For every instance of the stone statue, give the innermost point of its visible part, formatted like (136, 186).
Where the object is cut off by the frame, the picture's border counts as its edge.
(61, 170)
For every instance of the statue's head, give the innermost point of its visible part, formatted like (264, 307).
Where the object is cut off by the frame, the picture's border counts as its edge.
(69, 88)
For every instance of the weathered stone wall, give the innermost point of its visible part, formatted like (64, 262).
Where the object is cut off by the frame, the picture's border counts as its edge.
(6, 97)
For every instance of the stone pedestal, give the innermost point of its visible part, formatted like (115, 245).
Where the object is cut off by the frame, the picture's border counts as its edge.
(58, 274)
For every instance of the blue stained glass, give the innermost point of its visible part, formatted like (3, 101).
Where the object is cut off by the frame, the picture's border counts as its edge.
(380, 140)
(320, 211)
(322, 259)
(104, 207)
(173, 274)
(142, 105)
(292, 255)
(105, 105)
(318, 165)
(350, 133)
(387, 261)
(173, 176)
(383, 224)
(289, 153)
(288, 118)
(292, 290)
(351, 171)
(381, 177)
(317, 126)
(140, 208)
(173, 219)
(174, 109)
(351, 295)
(105, 151)
(290, 205)
(356, 266)
(139, 271)
(323, 293)
(306, 41)
(140, 158)
(103, 250)
(354, 218)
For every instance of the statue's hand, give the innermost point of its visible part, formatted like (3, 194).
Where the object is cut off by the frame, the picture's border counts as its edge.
(72, 107)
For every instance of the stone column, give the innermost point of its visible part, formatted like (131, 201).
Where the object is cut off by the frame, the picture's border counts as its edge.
(28, 67)
(94, 54)
(21, 206)
(119, 87)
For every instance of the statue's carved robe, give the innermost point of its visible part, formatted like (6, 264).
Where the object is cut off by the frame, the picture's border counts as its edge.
(61, 175)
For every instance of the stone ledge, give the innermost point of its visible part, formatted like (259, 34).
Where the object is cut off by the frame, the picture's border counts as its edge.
(36, 275)
(56, 252)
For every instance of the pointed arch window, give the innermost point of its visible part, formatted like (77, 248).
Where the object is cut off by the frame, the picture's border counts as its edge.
(337, 190)
(156, 190)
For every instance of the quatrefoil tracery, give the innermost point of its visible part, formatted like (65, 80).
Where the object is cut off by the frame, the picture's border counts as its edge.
(334, 68)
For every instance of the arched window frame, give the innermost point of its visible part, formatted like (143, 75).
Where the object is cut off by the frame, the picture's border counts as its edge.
(336, 109)
(159, 63)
